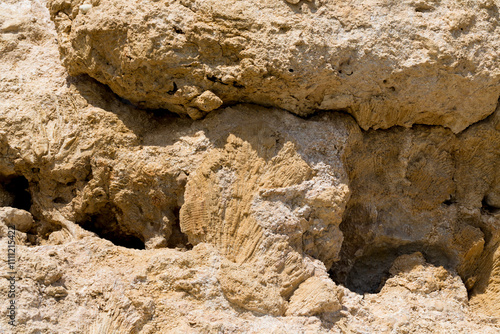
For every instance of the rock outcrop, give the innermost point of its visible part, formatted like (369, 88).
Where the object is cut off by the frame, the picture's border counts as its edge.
(387, 63)
(271, 199)
(246, 217)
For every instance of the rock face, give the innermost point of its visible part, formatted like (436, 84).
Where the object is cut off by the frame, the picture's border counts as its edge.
(244, 217)
(271, 199)
(426, 201)
(387, 63)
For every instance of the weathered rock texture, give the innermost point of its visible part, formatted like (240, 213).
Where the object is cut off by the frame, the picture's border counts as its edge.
(276, 191)
(386, 62)
(251, 219)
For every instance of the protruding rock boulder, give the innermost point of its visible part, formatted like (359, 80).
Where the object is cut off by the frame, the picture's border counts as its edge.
(315, 296)
(21, 220)
(387, 63)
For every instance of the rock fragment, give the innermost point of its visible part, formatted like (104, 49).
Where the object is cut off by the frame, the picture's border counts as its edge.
(315, 296)
(21, 220)
(207, 101)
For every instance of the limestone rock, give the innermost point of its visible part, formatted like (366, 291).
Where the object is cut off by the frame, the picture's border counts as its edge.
(271, 204)
(423, 206)
(270, 195)
(56, 291)
(419, 297)
(406, 263)
(387, 63)
(485, 291)
(19, 219)
(207, 101)
(245, 287)
(14, 224)
(413, 273)
(315, 296)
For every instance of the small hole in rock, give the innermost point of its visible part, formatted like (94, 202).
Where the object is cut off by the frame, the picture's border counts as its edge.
(449, 202)
(89, 176)
(18, 187)
(370, 272)
(290, 70)
(424, 9)
(213, 78)
(237, 85)
(174, 89)
(178, 30)
(60, 200)
(105, 225)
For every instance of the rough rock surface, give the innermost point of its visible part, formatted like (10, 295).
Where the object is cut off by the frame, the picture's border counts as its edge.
(315, 296)
(275, 191)
(250, 220)
(386, 62)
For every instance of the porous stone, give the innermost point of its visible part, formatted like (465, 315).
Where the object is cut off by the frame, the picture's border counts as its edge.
(207, 101)
(387, 63)
(251, 219)
(269, 196)
(413, 273)
(315, 296)
(20, 220)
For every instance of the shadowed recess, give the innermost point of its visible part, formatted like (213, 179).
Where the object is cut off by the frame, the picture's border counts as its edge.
(18, 186)
(369, 272)
(105, 225)
(177, 238)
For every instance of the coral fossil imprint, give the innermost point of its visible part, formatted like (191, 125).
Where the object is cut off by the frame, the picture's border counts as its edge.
(238, 166)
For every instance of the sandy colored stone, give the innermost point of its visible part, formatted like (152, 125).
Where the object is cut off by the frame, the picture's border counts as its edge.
(207, 101)
(387, 63)
(486, 292)
(56, 291)
(315, 296)
(246, 288)
(20, 220)
(269, 197)
(406, 197)
(407, 263)
(112, 187)
(416, 298)
(413, 273)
